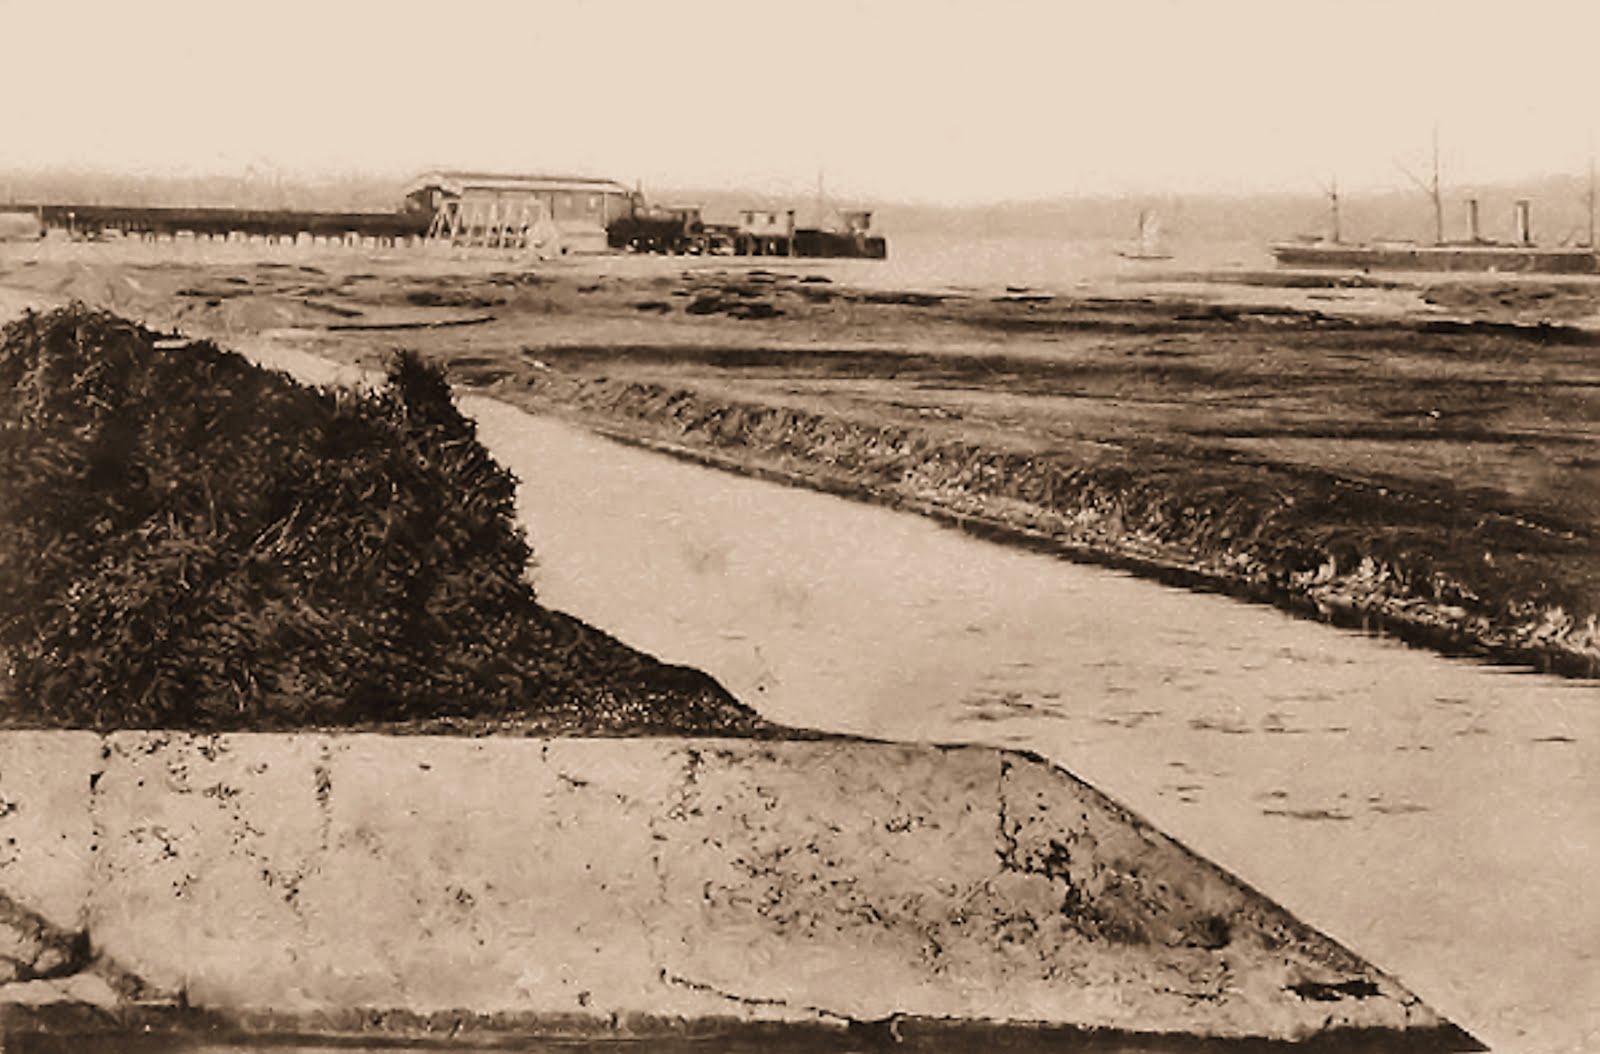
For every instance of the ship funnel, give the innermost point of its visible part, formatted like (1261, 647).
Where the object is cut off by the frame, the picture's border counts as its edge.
(1472, 220)
(1524, 224)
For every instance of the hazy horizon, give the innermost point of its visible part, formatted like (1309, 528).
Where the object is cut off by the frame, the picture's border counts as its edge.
(942, 102)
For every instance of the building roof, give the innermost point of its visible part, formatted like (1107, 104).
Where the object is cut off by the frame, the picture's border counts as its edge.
(808, 215)
(459, 182)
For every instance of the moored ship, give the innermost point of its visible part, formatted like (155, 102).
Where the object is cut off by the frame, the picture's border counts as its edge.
(1474, 253)
(1404, 256)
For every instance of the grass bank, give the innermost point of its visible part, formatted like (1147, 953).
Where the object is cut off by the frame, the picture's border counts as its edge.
(190, 541)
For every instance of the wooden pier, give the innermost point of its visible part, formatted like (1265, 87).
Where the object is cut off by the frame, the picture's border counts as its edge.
(92, 221)
(517, 213)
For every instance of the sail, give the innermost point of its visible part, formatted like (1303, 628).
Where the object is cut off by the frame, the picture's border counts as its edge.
(1148, 245)
(1149, 233)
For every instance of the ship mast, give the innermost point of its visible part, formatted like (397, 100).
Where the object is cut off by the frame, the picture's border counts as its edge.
(1431, 189)
(1591, 199)
(1438, 202)
(1333, 209)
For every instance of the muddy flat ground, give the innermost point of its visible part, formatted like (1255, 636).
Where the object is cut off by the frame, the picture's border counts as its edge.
(1428, 449)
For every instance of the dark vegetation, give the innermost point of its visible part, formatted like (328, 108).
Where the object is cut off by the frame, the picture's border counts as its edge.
(189, 541)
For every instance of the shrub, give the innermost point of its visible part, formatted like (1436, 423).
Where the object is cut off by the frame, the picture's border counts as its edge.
(187, 540)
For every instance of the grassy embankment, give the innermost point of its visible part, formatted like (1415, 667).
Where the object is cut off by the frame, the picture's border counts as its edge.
(190, 541)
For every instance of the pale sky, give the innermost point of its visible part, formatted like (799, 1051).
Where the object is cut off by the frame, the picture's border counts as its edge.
(933, 101)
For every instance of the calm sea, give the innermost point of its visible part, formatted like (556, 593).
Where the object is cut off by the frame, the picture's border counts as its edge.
(990, 265)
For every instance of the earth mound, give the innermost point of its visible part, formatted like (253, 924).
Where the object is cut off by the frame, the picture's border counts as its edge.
(190, 541)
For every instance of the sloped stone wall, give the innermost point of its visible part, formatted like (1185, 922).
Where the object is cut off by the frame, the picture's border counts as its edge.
(821, 881)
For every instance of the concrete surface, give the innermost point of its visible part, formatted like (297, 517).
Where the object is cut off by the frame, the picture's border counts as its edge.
(831, 881)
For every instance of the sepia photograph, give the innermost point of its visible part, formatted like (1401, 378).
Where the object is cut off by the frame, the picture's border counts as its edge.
(809, 526)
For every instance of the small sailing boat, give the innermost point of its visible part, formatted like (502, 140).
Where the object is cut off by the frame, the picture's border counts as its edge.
(1148, 246)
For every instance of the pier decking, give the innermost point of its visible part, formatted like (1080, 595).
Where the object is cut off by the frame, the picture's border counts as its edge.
(271, 224)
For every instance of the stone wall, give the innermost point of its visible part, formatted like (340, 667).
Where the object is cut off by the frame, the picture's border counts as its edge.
(827, 881)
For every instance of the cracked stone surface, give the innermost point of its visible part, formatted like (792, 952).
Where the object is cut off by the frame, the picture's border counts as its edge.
(802, 881)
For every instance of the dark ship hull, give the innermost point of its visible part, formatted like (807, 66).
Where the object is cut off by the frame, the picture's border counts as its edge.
(1516, 259)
